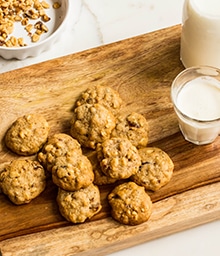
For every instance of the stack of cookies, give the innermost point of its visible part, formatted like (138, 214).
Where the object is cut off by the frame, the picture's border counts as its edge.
(78, 198)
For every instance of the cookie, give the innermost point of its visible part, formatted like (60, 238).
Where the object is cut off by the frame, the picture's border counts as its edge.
(99, 177)
(27, 134)
(134, 127)
(156, 169)
(92, 124)
(118, 158)
(103, 95)
(130, 204)
(22, 180)
(2, 167)
(73, 172)
(58, 145)
(80, 205)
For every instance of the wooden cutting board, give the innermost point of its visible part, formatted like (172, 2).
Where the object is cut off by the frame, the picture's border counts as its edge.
(142, 70)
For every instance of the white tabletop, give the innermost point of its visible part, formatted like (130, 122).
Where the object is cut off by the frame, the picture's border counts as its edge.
(97, 22)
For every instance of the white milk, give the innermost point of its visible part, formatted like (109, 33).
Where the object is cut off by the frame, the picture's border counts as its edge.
(200, 38)
(198, 103)
(200, 99)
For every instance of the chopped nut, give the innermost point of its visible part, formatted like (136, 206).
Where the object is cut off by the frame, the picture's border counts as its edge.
(45, 18)
(56, 5)
(17, 18)
(4, 5)
(35, 37)
(2, 42)
(37, 5)
(41, 12)
(4, 35)
(8, 43)
(39, 32)
(38, 25)
(14, 41)
(21, 41)
(44, 28)
(45, 4)
(32, 14)
(24, 21)
(29, 27)
(22, 11)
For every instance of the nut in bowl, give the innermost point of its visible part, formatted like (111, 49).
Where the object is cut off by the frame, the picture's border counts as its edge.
(28, 28)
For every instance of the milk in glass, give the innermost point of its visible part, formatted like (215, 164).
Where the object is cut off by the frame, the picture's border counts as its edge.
(195, 93)
(200, 99)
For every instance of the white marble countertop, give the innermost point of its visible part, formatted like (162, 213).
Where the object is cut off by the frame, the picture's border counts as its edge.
(97, 22)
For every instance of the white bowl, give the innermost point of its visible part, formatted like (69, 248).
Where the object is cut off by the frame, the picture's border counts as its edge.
(56, 27)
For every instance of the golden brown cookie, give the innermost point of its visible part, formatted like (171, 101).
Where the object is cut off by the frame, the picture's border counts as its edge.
(73, 172)
(58, 145)
(134, 127)
(118, 158)
(27, 134)
(103, 95)
(80, 205)
(92, 124)
(2, 168)
(22, 180)
(156, 169)
(99, 177)
(130, 204)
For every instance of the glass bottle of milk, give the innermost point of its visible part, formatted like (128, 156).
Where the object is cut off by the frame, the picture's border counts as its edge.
(200, 38)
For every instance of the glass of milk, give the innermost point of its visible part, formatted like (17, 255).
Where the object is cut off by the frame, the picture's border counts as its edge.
(200, 37)
(195, 94)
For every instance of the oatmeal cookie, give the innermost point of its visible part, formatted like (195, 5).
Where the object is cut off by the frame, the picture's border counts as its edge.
(99, 177)
(92, 124)
(134, 127)
(2, 167)
(130, 204)
(103, 95)
(80, 205)
(156, 169)
(27, 134)
(22, 180)
(58, 145)
(118, 158)
(73, 172)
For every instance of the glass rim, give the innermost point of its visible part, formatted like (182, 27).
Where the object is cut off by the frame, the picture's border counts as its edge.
(210, 68)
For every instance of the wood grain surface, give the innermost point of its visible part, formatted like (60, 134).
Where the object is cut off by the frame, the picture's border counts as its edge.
(141, 69)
